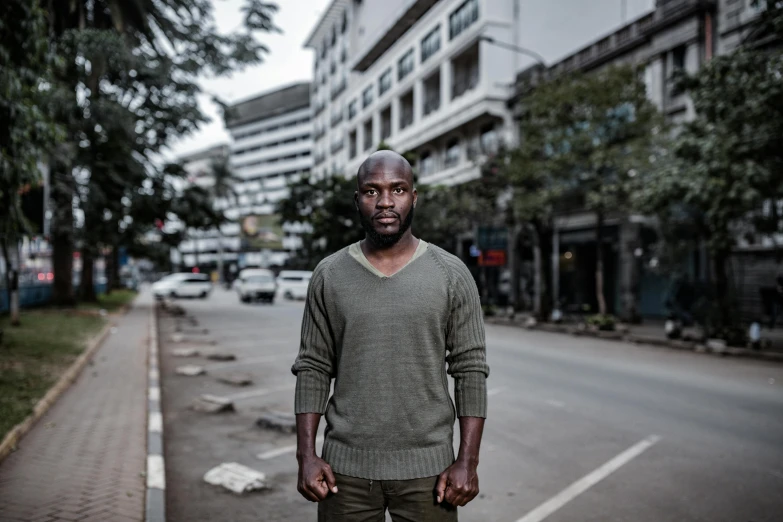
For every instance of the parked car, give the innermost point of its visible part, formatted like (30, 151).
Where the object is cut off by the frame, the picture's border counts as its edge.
(182, 284)
(292, 284)
(256, 284)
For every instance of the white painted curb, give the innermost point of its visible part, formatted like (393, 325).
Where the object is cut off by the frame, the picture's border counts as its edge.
(155, 509)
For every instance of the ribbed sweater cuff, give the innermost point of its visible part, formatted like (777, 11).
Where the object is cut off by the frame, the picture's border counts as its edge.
(312, 392)
(470, 394)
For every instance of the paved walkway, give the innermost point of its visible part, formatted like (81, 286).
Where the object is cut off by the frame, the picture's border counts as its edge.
(85, 459)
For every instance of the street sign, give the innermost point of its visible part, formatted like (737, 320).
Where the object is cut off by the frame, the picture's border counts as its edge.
(492, 238)
(492, 258)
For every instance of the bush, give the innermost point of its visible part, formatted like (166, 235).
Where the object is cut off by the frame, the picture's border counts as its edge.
(489, 310)
(603, 322)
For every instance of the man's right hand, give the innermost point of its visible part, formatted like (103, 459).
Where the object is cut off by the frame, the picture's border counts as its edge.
(316, 479)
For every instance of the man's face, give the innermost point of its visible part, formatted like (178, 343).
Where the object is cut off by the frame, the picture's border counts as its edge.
(385, 199)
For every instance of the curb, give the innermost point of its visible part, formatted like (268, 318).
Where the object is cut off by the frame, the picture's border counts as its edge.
(674, 344)
(55, 392)
(155, 508)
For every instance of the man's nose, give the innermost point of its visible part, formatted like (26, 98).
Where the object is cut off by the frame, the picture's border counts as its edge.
(385, 201)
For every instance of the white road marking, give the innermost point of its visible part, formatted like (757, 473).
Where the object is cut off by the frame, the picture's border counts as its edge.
(154, 393)
(155, 422)
(271, 454)
(495, 391)
(154, 374)
(257, 393)
(156, 477)
(589, 480)
(252, 360)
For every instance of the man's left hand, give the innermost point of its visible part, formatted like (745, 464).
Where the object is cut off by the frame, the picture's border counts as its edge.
(458, 485)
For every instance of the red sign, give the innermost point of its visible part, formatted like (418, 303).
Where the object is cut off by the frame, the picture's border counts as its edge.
(492, 258)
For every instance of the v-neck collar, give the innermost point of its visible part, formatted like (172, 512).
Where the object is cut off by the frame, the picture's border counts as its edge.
(355, 250)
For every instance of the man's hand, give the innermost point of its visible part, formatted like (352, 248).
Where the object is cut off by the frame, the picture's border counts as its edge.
(458, 485)
(316, 479)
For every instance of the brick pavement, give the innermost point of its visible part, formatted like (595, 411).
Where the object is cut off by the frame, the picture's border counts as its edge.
(85, 459)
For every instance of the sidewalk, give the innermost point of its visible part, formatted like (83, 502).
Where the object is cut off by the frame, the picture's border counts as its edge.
(85, 459)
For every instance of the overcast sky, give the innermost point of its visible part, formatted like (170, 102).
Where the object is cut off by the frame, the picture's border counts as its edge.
(286, 62)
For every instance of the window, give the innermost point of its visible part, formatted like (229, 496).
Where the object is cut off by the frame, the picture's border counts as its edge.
(333, 41)
(333, 67)
(384, 82)
(344, 25)
(352, 145)
(432, 93)
(430, 44)
(405, 65)
(386, 123)
(353, 108)
(452, 153)
(426, 164)
(678, 58)
(367, 97)
(489, 139)
(462, 18)
(367, 134)
(406, 109)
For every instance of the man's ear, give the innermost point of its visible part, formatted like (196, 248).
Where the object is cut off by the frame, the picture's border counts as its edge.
(356, 199)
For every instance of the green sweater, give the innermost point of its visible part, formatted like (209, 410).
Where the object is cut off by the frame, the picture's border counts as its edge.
(386, 342)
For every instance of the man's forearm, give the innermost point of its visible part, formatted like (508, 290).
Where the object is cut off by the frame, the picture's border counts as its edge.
(471, 429)
(306, 428)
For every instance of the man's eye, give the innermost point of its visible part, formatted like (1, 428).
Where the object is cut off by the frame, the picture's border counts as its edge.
(398, 190)
(370, 192)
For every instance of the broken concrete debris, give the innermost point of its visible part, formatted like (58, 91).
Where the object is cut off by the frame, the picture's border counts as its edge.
(236, 478)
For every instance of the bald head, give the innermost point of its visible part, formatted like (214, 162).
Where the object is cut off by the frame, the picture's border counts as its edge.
(385, 161)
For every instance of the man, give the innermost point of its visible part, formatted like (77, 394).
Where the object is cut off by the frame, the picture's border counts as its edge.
(383, 317)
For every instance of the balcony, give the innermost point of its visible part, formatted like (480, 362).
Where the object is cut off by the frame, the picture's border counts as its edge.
(319, 133)
(337, 146)
(319, 108)
(319, 158)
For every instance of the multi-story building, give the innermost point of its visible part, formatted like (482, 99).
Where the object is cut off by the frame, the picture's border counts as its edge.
(272, 142)
(427, 78)
(271, 147)
(416, 76)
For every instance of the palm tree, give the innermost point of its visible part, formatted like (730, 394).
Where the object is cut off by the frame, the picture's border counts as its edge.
(223, 191)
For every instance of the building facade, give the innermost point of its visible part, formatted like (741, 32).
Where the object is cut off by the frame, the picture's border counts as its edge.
(677, 36)
(425, 78)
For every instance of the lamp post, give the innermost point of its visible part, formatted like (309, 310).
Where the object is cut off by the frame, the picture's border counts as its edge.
(521, 50)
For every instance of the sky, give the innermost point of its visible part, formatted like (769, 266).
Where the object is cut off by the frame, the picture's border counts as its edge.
(286, 62)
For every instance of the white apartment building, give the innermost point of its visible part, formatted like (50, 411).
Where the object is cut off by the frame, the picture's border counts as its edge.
(423, 77)
(271, 147)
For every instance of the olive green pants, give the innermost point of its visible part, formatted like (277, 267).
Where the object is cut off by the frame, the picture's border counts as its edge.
(362, 500)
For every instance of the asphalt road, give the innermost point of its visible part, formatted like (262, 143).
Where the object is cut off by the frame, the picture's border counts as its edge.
(578, 430)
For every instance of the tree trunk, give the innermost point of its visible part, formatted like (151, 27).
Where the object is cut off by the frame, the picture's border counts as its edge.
(113, 270)
(62, 236)
(220, 257)
(12, 283)
(599, 264)
(543, 270)
(719, 260)
(87, 287)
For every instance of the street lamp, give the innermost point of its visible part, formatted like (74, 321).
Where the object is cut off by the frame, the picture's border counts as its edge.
(521, 50)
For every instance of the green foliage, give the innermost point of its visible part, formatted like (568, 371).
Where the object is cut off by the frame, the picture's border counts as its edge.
(602, 322)
(327, 205)
(27, 130)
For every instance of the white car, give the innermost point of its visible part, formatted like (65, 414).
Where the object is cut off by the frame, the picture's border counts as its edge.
(183, 284)
(292, 284)
(256, 284)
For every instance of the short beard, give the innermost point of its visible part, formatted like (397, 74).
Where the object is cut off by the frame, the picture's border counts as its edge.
(385, 240)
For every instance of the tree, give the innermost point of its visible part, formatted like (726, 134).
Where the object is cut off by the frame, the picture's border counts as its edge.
(131, 71)
(722, 181)
(27, 131)
(590, 134)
